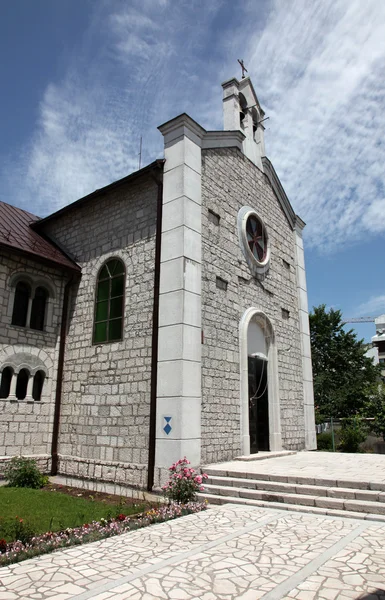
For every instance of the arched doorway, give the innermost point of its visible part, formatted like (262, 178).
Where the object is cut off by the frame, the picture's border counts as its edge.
(260, 410)
(258, 404)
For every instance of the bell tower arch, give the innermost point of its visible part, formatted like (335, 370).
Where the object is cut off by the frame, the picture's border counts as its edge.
(241, 110)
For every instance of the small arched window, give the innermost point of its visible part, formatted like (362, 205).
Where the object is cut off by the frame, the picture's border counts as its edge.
(22, 383)
(37, 388)
(39, 304)
(20, 305)
(108, 322)
(6, 378)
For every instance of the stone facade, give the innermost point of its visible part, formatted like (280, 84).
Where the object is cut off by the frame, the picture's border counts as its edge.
(26, 426)
(104, 419)
(230, 180)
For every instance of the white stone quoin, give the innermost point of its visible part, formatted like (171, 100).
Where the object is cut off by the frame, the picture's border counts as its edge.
(178, 422)
(308, 392)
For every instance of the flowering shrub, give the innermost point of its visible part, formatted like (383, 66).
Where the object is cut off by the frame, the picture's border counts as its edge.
(90, 532)
(184, 482)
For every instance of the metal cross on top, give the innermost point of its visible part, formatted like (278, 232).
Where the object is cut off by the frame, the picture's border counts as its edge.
(243, 68)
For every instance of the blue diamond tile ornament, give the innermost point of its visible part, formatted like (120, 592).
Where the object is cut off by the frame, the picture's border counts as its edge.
(167, 428)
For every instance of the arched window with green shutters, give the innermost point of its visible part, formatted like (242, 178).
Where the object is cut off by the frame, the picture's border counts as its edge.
(109, 302)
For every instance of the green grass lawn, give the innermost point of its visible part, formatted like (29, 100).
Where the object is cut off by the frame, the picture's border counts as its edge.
(43, 510)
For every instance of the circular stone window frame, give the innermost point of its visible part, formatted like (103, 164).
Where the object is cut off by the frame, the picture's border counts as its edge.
(258, 268)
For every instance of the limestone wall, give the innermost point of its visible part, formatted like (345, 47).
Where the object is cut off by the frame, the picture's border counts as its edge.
(106, 387)
(26, 425)
(230, 181)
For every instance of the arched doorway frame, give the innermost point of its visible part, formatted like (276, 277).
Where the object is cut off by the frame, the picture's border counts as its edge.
(266, 325)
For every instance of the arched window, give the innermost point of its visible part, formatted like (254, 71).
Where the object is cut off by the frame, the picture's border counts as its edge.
(108, 323)
(38, 381)
(22, 383)
(38, 309)
(20, 305)
(6, 378)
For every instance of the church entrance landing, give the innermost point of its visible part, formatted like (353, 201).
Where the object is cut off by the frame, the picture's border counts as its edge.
(318, 482)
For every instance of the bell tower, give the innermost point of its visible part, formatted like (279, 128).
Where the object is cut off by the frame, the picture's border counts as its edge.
(242, 111)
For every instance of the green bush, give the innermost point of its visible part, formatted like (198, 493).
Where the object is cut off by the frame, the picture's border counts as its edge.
(353, 433)
(23, 472)
(325, 441)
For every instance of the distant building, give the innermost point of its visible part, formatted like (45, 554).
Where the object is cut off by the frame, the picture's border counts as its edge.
(378, 343)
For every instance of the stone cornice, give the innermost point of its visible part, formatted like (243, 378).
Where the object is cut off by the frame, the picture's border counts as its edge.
(223, 139)
(275, 183)
(299, 223)
(180, 126)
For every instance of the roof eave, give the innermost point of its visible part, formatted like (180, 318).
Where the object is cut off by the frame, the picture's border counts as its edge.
(157, 164)
(41, 259)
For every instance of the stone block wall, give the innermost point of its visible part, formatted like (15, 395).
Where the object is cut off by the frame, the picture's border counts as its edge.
(230, 181)
(25, 425)
(106, 387)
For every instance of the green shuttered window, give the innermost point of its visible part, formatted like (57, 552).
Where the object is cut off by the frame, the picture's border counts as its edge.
(108, 324)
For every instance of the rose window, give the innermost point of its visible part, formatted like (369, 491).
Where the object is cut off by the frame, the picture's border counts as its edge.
(256, 238)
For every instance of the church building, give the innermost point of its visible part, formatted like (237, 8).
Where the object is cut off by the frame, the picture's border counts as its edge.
(162, 316)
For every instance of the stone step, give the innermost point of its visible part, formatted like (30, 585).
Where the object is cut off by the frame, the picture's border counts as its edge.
(265, 455)
(292, 488)
(360, 506)
(332, 483)
(214, 499)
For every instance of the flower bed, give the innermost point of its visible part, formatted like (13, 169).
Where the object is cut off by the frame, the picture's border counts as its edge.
(91, 532)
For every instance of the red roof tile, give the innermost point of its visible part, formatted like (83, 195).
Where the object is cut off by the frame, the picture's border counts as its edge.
(16, 234)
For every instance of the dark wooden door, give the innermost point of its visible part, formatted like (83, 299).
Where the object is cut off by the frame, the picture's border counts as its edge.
(258, 405)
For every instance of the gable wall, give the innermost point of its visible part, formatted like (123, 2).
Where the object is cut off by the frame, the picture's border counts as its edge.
(26, 426)
(106, 388)
(230, 181)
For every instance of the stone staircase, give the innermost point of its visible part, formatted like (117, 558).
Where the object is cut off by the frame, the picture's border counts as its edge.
(354, 499)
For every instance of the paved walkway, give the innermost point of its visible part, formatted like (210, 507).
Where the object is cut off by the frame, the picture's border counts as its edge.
(316, 465)
(229, 552)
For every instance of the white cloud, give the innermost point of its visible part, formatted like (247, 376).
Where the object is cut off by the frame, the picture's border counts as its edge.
(322, 78)
(374, 218)
(318, 70)
(373, 307)
(145, 70)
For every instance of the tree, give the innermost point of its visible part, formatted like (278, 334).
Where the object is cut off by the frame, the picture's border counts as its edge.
(375, 409)
(344, 378)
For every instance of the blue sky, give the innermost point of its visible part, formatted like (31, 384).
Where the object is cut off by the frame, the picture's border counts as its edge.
(83, 80)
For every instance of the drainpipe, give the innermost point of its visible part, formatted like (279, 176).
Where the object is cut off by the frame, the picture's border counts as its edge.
(155, 332)
(59, 380)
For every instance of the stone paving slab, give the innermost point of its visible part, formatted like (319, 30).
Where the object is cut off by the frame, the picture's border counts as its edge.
(228, 552)
(357, 468)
